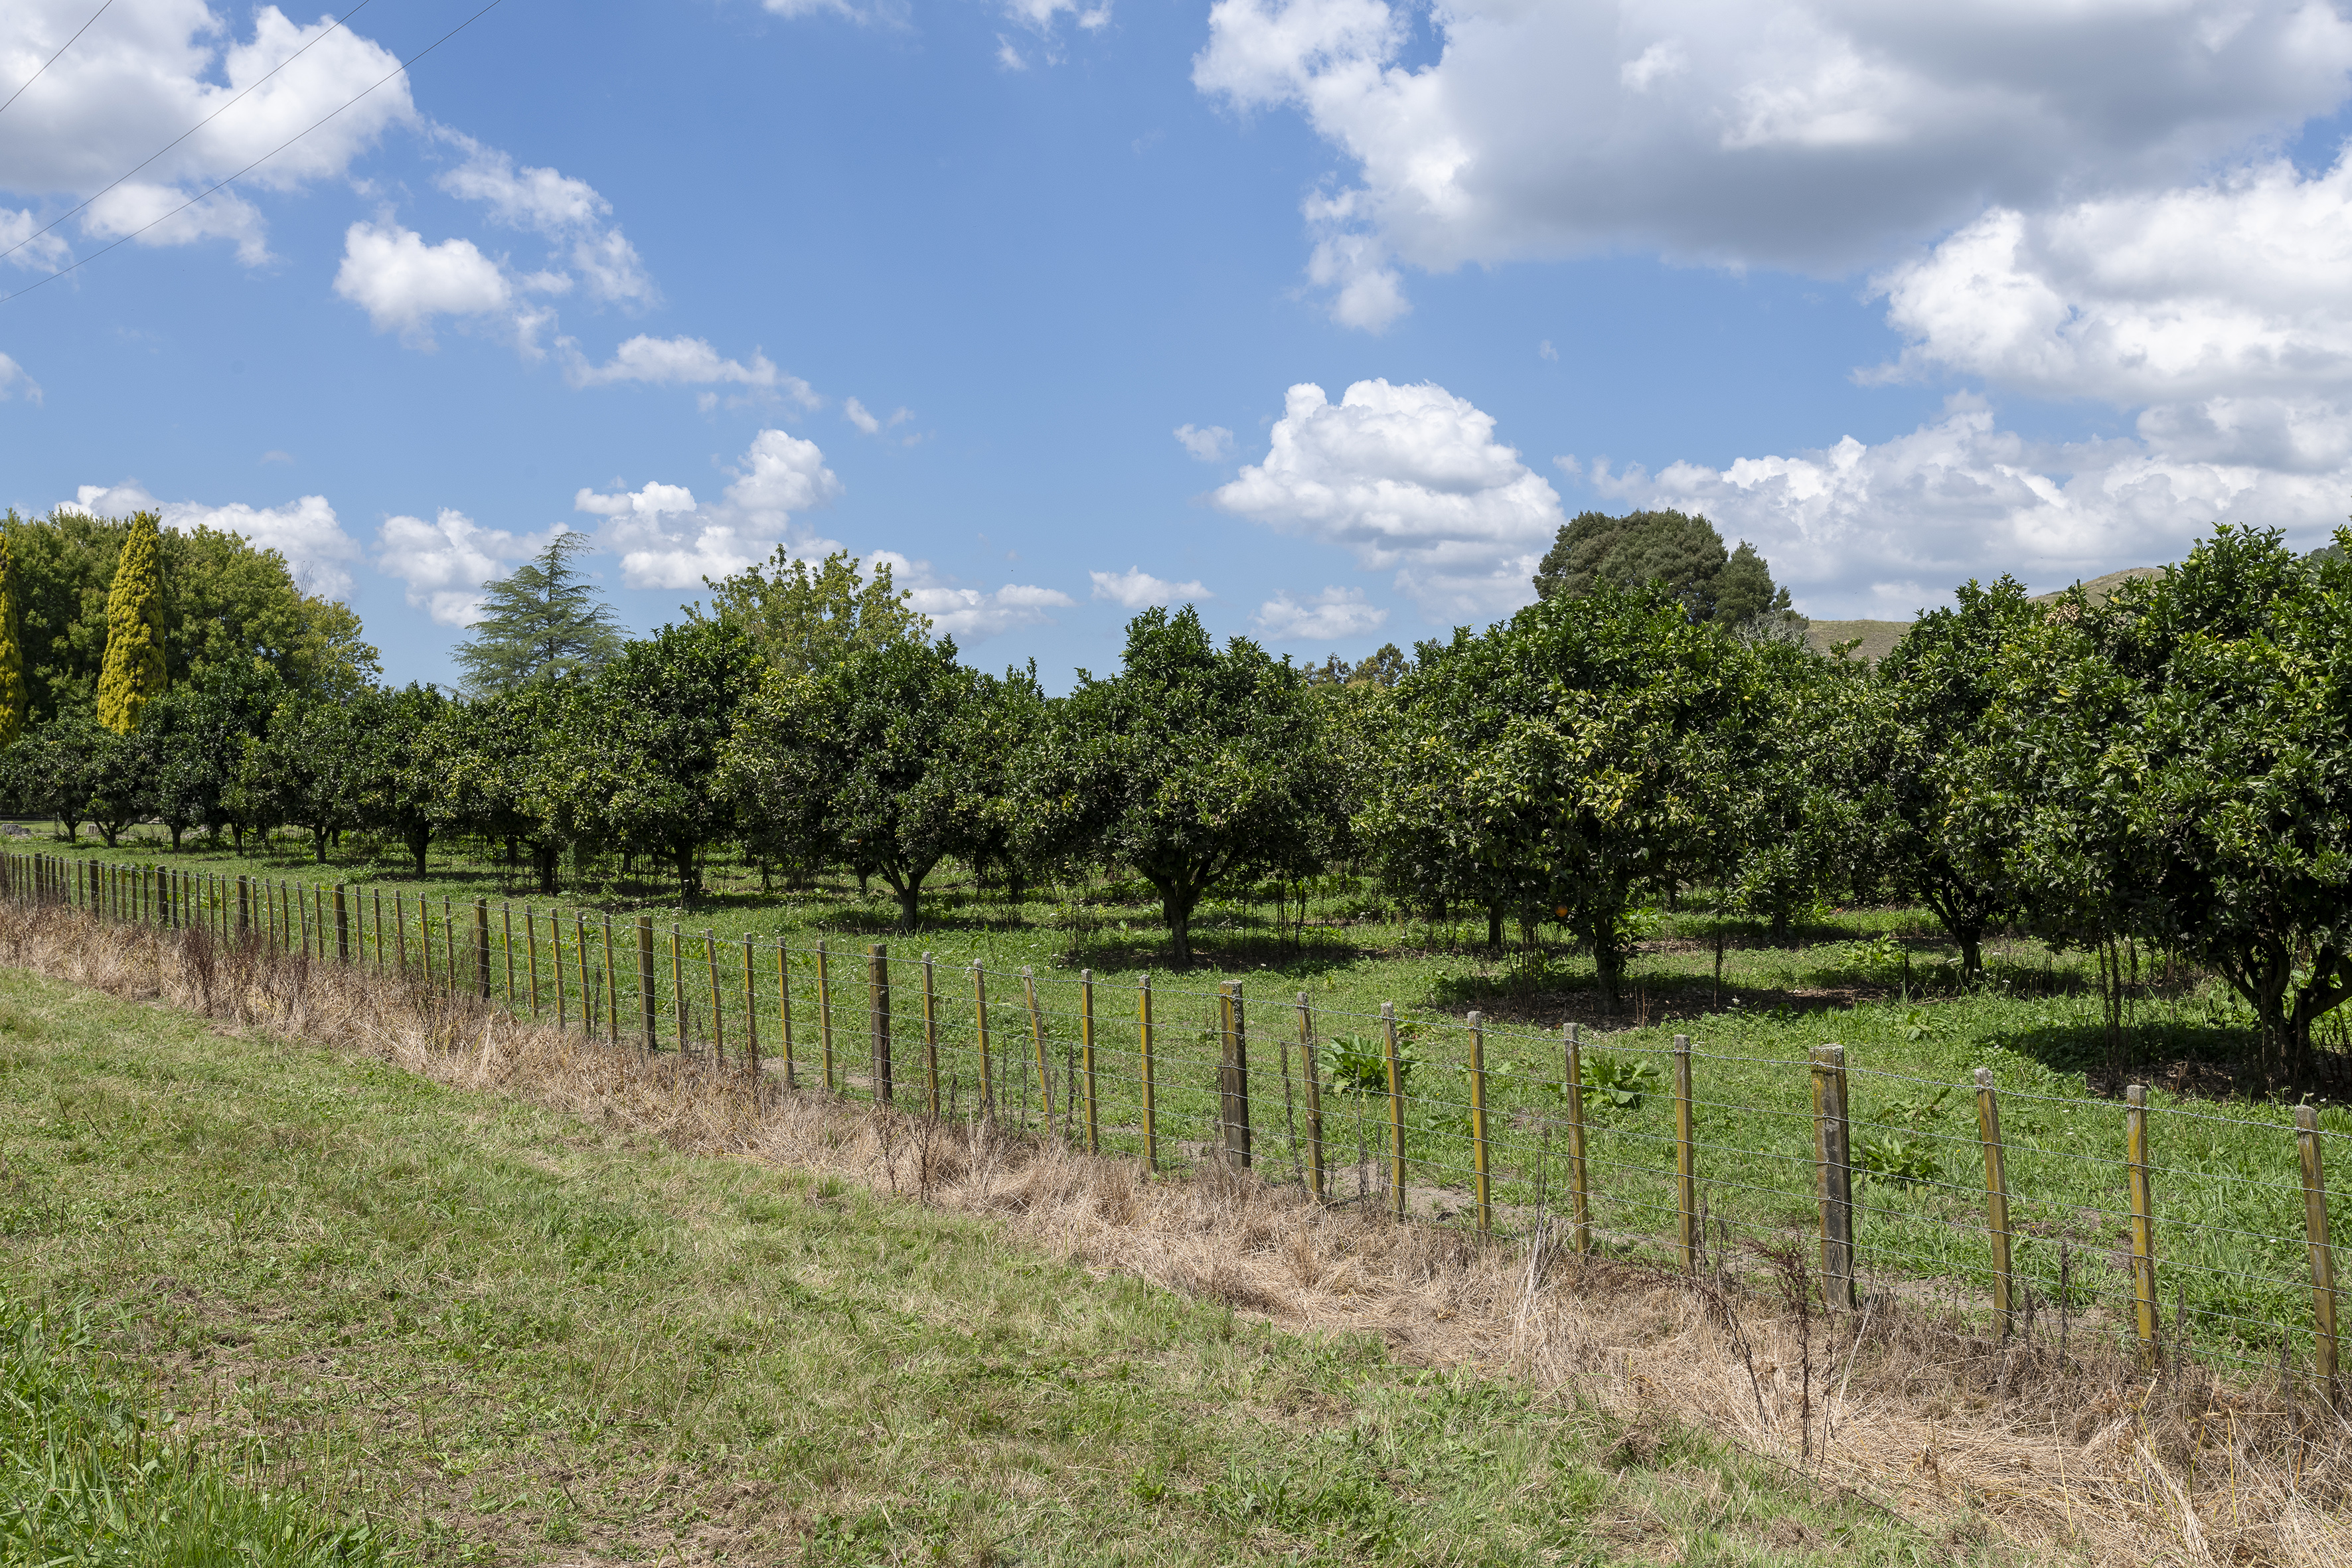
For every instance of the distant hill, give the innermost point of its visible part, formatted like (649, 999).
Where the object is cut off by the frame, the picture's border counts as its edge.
(1878, 637)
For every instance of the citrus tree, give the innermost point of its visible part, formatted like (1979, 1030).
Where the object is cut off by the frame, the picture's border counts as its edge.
(1190, 763)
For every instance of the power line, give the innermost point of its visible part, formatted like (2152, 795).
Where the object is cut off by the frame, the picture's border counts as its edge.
(53, 58)
(183, 136)
(191, 201)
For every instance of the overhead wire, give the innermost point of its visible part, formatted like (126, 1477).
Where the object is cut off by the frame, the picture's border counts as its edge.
(183, 136)
(54, 58)
(401, 70)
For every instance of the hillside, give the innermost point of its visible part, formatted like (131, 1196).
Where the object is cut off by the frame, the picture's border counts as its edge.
(1878, 637)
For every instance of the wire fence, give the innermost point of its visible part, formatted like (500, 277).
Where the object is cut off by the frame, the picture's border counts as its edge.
(2168, 1231)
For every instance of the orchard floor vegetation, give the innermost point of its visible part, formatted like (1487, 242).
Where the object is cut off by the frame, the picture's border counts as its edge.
(1883, 982)
(378, 1317)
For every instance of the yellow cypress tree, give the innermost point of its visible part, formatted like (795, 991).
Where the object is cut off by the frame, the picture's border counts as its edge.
(133, 674)
(15, 695)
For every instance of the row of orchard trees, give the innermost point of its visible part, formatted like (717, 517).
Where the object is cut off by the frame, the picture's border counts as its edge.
(2171, 765)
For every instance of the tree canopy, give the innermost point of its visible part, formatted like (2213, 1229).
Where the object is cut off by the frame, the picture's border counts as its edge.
(799, 619)
(543, 622)
(225, 600)
(1730, 589)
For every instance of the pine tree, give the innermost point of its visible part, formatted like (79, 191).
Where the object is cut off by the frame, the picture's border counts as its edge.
(133, 675)
(16, 695)
(544, 620)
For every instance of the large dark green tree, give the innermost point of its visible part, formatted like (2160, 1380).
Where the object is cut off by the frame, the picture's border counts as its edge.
(545, 621)
(49, 768)
(308, 766)
(1733, 589)
(1193, 763)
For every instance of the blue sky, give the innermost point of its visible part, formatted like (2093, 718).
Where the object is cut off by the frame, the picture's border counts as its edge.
(1031, 296)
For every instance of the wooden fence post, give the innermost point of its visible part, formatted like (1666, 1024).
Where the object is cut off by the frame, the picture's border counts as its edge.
(1396, 1112)
(750, 1014)
(1038, 1045)
(1686, 1161)
(505, 937)
(1579, 1196)
(784, 1010)
(647, 995)
(613, 983)
(824, 1010)
(424, 936)
(530, 947)
(342, 925)
(1151, 1106)
(979, 1018)
(482, 948)
(2143, 1219)
(1478, 1120)
(244, 906)
(930, 1034)
(1087, 1054)
(1314, 1100)
(717, 999)
(877, 1022)
(2322, 1257)
(555, 940)
(1233, 1080)
(1834, 1165)
(1996, 1166)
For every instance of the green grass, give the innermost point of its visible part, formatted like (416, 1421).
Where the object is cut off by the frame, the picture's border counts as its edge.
(91, 1472)
(478, 1330)
(1882, 981)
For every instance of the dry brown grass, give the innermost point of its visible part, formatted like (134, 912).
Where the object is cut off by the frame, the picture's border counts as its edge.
(2081, 1456)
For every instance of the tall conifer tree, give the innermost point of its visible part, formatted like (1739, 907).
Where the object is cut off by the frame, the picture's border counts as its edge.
(15, 694)
(133, 675)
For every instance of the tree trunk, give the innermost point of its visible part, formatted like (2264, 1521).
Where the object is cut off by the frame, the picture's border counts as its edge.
(688, 883)
(514, 853)
(319, 843)
(418, 842)
(1971, 941)
(548, 860)
(178, 828)
(910, 904)
(1494, 923)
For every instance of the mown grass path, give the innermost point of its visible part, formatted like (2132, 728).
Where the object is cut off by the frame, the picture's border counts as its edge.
(494, 1333)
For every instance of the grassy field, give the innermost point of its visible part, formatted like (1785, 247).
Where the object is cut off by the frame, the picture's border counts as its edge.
(386, 1318)
(1882, 981)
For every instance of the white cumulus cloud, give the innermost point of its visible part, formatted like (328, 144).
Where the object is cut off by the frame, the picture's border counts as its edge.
(971, 614)
(1858, 528)
(1819, 135)
(558, 207)
(150, 70)
(445, 561)
(1409, 478)
(1334, 614)
(667, 539)
(1136, 589)
(402, 283)
(688, 361)
(305, 530)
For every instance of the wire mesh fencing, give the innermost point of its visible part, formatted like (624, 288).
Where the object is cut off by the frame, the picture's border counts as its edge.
(2167, 1230)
